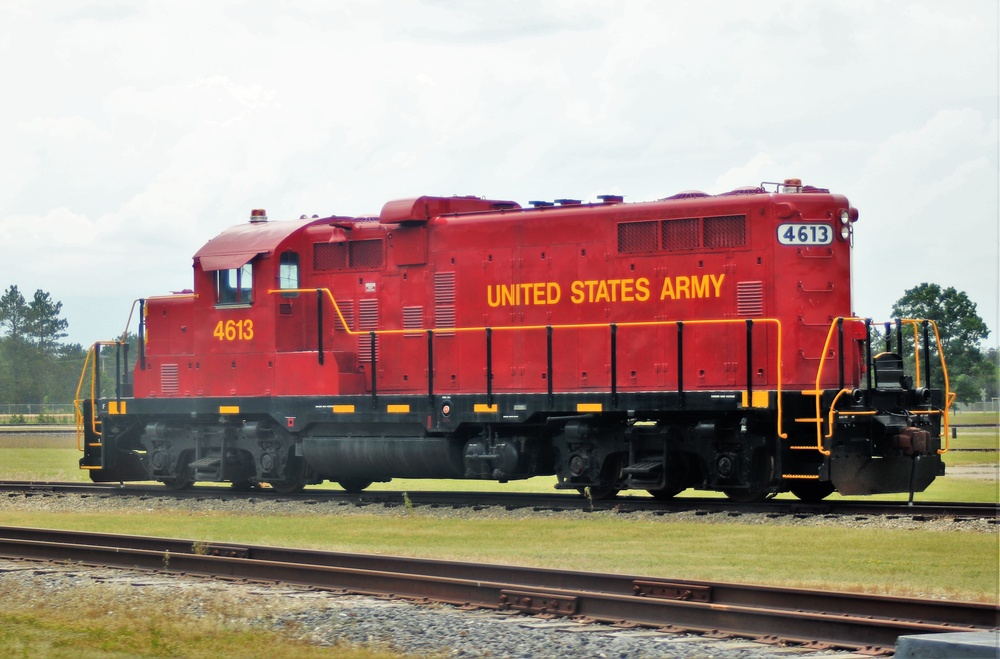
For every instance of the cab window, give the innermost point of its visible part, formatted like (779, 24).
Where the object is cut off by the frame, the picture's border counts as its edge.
(234, 286)
(288, 272)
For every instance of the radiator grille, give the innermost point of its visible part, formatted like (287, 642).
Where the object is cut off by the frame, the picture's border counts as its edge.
(680, 234)
(684, 233)
(363, 254)
(330, 256)
(637, 237)
(366, 253)
(728, 231)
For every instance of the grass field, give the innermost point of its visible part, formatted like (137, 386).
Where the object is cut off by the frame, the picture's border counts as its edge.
(943, 564)
(959, 564)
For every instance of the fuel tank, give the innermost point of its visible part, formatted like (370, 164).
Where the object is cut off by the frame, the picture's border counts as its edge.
(379, 452)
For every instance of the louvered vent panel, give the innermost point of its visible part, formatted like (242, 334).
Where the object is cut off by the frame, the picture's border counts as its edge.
(169, 380)
(444, 302)
(727, 231)
(750, 298)
(367, 321)
(680, 234)
(347, 310)
(413, 318)
(637, 237)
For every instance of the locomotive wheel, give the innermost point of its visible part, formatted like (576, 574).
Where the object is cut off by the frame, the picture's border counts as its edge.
(812, 491)
(288, 486)
(178, 483)
(666, 493)
(752, 495)
(354, 487)
(760, 477)
(294, 480)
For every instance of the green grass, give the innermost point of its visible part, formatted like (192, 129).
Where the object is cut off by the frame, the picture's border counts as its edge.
(976, 438)
(111, 622)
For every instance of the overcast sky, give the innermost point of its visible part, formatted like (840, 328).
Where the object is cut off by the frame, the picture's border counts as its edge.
(132, 132)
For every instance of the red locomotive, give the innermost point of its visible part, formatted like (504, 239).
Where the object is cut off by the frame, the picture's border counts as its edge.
(696, 341)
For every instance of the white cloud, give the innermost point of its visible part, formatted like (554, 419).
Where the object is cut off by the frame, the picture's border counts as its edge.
(138, 131)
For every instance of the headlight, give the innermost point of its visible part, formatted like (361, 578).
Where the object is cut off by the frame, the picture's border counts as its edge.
(845, 217)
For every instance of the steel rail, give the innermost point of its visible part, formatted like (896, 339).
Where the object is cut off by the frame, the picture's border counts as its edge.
(839, 619)
(520, 500)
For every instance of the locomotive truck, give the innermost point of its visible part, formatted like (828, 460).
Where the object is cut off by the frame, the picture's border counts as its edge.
(696, 341)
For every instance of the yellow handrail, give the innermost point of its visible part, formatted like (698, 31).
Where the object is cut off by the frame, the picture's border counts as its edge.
(91, 361)
(78, 402)
(648, 323)
(818, 392)
(949, 395)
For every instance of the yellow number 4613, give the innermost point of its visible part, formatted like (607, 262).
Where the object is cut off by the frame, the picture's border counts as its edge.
(234, 330)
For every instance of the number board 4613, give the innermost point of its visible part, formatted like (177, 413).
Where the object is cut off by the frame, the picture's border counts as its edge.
(805, 234)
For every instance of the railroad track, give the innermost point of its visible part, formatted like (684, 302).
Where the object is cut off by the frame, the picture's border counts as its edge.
(870, 623)
(920, 511)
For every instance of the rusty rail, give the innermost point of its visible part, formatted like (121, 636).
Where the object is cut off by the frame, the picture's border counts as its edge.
(845, 620)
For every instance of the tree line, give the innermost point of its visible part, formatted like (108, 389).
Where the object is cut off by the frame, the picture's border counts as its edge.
(36, 366)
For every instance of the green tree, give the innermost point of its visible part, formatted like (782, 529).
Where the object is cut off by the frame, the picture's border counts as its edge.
(35, 367)
(960, 329)
(15, 351)
(43, 326)
(13, 313)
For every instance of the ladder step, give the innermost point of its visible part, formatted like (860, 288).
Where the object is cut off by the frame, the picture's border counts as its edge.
(644, 468)
(210, 461)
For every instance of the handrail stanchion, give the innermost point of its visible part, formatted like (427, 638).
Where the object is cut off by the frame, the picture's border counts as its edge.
(614, 365)
(142, 334)
(319, 325)
(680, 362)
(868, 361)
(548, 363)
(430, 366)
(374, 392)
(97, 370)
(927, 357)
(118, 372)
(489, 366)
(749, 362)
(840, 350)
